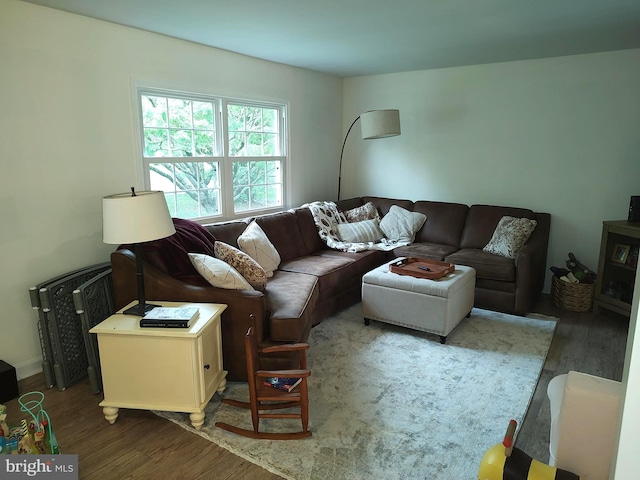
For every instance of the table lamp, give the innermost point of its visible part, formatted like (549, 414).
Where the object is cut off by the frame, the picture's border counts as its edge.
(135, 218)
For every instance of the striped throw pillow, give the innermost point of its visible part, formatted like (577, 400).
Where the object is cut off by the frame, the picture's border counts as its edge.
(357, 232)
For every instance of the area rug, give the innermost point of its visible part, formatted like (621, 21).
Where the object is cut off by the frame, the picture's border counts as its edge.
(392, 403)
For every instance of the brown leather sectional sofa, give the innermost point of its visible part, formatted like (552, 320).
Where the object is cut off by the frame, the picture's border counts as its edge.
(313, 281)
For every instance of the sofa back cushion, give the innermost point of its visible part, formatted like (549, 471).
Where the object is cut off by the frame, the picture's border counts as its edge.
(384, 204)
(282, 230)
(349, 203)
(228, 232)
(482, 221)
(444, 224)
(308, 230)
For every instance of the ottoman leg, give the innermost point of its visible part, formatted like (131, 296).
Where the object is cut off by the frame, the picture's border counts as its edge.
(468, 315)
(366, 321)
(443, 339)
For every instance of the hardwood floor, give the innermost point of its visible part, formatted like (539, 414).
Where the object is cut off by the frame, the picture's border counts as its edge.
(593, 343)
(142, 445)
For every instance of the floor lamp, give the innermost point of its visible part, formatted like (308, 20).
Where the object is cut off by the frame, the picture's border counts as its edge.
(373, 124)
(135, 218)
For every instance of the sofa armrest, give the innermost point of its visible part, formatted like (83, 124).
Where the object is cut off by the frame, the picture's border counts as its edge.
(531, 265)
(245, 308)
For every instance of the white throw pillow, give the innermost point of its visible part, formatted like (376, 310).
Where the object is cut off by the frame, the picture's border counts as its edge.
(401, 225)
(364, 231)
(255, 243)
(510, 235)
(218, 273)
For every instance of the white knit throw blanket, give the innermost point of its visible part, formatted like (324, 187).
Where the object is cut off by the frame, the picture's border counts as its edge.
(327, 216)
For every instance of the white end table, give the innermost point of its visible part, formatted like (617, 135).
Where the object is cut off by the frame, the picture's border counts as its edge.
(168, 369)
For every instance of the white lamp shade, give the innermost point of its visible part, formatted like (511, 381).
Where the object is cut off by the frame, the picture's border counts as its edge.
(135, 219)
(380, 124)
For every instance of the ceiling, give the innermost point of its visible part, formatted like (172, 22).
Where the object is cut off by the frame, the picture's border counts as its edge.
(365, 37)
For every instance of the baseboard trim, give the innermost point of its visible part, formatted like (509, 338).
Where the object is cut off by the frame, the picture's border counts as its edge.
(29, 368)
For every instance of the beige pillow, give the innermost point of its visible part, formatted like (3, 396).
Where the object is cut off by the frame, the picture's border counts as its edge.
(368, 211)
(218, 273)
(510, 235)
(358, 232)
(255, 243)
(401, 225)
(243, 263)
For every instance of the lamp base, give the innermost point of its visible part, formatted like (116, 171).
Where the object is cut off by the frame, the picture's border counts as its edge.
(140, 309)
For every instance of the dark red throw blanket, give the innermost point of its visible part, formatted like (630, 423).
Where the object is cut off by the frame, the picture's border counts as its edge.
(170, 254)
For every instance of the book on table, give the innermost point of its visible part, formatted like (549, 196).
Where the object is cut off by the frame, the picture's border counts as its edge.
(286, 384)
(176, 317)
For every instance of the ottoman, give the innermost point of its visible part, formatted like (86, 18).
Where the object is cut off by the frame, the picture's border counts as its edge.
(433, 306)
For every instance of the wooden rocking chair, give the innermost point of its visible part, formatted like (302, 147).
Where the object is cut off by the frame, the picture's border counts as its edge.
(264, 398)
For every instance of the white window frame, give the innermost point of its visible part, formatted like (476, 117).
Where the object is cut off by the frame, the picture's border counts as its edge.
(222, 156)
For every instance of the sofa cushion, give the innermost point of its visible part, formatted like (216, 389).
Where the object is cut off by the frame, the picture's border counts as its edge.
(368, 211)
(256, 244)
(362, 231)
(433, 251)
(218, 273)
(482, 220)
(444, 224)
(334, 269)
(487, 265)
(401, 225)
(308, 231)
(243, 263)
(228, 232)
(383, 205)
(510, 234)
(282, 230)
(291, 298)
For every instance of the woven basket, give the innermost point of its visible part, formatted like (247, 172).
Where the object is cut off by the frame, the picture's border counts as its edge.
(576, 297)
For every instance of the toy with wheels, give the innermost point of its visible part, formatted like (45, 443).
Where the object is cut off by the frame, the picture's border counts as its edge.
(505, 462)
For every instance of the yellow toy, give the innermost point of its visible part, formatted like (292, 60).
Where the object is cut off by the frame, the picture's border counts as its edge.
(504, 462)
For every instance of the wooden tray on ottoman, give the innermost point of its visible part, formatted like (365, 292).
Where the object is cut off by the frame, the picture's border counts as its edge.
(421, 267)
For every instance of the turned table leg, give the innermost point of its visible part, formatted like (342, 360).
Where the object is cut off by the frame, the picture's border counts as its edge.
(222, 386)
(197, 419)
(110, 414)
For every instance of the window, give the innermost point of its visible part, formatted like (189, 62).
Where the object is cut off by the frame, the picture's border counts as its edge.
(212, 156)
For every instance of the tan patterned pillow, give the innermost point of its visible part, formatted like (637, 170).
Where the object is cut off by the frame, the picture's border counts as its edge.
(243, 263)
(510, 235)
(218, 273)
(255, 243)
(364, 231)
(368, 211)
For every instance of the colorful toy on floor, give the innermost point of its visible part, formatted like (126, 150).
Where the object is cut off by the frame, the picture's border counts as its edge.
(32, 436)
(505, 462)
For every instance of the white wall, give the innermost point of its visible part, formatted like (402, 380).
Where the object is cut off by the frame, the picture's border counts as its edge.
(558, 135)
(67, 139)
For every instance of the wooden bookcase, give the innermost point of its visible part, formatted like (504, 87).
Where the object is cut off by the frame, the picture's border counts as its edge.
(617, 266)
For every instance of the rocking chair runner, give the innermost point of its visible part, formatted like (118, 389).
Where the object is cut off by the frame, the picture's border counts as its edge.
(263, 398)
